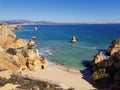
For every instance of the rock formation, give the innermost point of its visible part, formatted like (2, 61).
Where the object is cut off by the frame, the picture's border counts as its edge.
(1, 49)
(18, 55)
(106, 71)
(114, 47)
(31, 43)
(117, 76)
(73, 39)
(99, 57)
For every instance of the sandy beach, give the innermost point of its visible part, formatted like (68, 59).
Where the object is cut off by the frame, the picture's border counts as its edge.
(61, 76)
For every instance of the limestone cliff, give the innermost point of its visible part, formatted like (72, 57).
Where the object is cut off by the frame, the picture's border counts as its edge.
(114, 47)
(16, 54)
(106, 71)
(99, 57)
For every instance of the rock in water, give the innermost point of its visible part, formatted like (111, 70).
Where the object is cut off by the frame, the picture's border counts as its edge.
(73, 39)
(114, 47)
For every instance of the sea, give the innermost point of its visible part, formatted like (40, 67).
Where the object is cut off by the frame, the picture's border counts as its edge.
(54, 41)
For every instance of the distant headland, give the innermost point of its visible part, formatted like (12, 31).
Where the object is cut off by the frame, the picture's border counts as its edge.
(31, 22)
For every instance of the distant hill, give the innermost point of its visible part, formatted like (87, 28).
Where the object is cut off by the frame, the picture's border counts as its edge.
(27, 22)
(22, 21)
(34, 22)
(15, 21)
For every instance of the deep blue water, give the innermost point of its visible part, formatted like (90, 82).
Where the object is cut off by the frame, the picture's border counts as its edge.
(53, 41)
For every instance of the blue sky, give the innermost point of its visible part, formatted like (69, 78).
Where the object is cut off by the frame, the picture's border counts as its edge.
(61, 10)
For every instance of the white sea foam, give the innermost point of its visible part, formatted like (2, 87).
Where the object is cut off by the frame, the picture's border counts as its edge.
(45, 52)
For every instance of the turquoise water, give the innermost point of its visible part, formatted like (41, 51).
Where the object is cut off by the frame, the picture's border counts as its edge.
(53, 41)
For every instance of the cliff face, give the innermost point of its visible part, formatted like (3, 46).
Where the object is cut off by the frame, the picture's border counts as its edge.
(8, 39)
(16, 54)
(114, 47)
(106, 71)
(99, 57)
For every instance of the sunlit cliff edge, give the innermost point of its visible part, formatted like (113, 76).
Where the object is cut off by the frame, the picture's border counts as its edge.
(17, 55)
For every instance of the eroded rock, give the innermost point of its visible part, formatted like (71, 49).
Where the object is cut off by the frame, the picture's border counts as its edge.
(18, 55)
(99, 57)
(114, 47)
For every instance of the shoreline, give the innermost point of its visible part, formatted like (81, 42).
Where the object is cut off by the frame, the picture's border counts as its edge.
(55, 73)
(61, 76)
(63, 67)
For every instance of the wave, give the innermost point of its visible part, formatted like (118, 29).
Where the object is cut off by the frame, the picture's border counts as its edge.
(46, 52)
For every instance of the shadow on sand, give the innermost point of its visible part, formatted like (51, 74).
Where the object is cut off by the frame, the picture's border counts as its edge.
(87, 72)
(87, 75)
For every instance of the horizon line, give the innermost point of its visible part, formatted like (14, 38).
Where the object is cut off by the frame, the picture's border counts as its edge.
(57, 22)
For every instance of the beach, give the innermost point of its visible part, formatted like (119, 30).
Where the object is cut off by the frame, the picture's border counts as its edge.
(24, 59)
(62, 76)
(56, 50)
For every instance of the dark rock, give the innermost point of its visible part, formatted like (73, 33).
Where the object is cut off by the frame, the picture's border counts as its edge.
(106, 70)
(117, 76)
(11, 51)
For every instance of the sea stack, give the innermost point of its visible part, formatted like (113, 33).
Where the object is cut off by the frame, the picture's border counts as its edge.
(73, 39)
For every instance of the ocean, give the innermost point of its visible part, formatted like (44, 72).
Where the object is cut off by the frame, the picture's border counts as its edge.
(54, 41)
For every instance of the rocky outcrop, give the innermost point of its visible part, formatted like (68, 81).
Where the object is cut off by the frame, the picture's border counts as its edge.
(18, 55)
(19, 43)
(7, 37)
(31, 43)
(116, 59)
(14, 27)
(99, 57)
(73, 39)
(106, 71)
(117, 76)
(114, 47)
(34, 61)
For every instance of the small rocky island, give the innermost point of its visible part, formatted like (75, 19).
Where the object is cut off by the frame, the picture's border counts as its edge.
(106, 68)
(73, 39)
